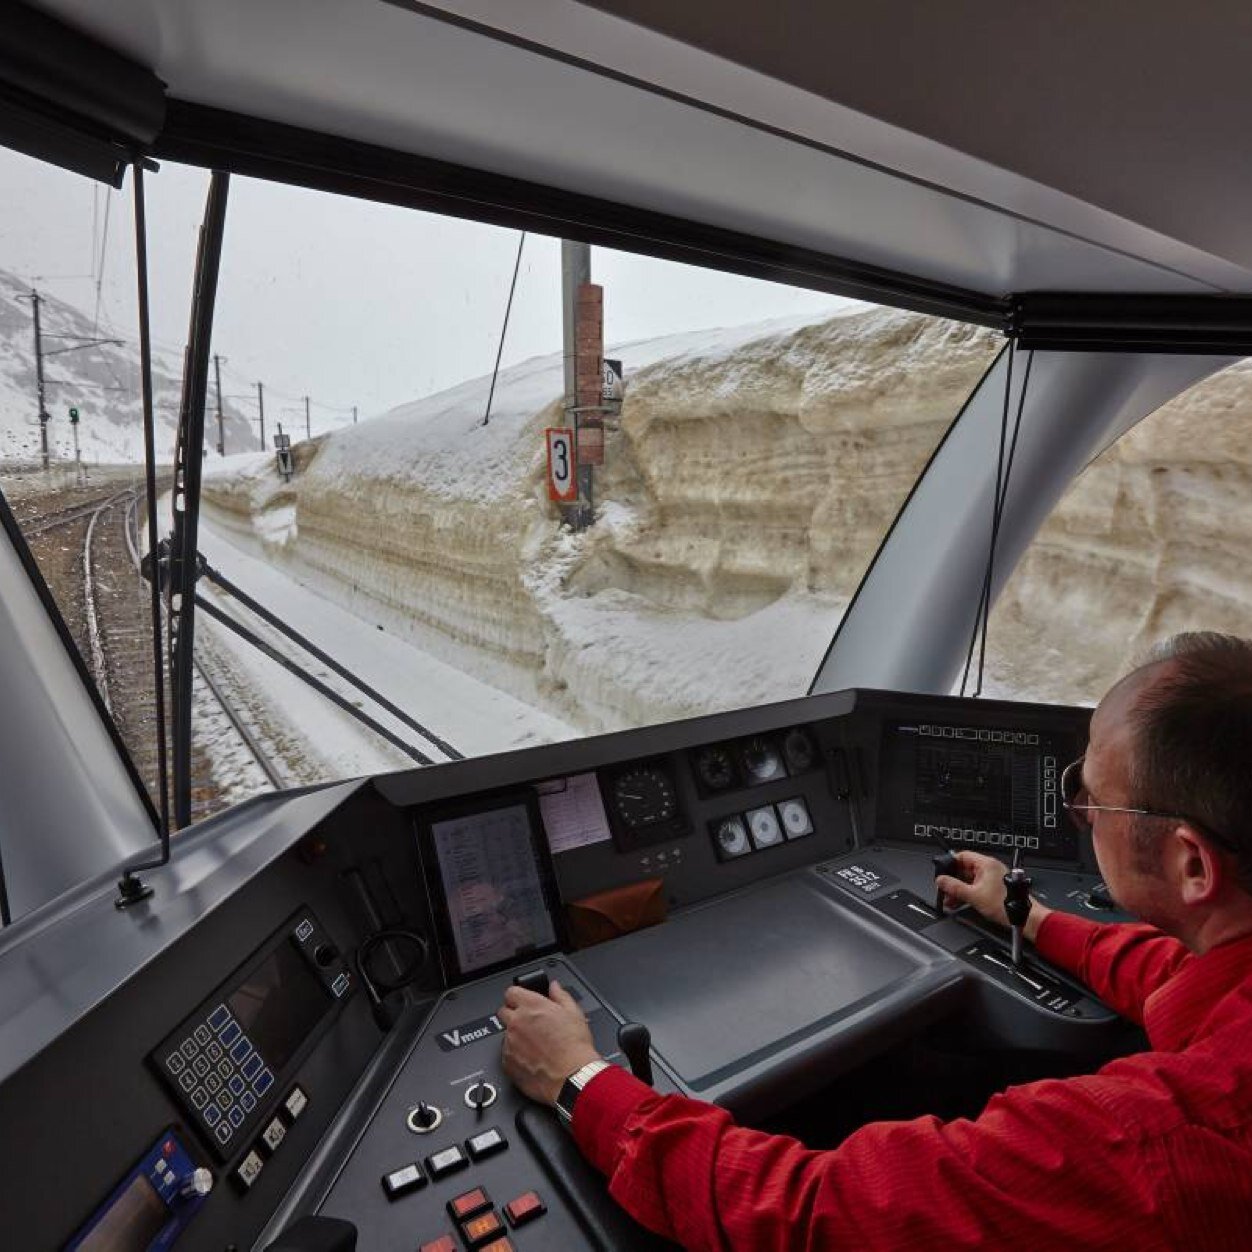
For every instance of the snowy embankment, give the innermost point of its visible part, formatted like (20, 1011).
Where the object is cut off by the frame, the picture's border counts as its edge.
(749, 480)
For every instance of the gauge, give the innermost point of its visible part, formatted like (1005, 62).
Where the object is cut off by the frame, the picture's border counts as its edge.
(643, 805)
(715, 768)
(761, 761)
(763, 823)
(799, 750)
(730, 838)
(796, 822)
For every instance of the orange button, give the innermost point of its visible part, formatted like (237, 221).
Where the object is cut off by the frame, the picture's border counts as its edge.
(524, 1209)
(445, 1243)
(500, 1245)
(479, 1230)
(469, 1203)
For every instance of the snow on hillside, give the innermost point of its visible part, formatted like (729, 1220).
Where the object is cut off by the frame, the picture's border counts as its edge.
(102, 382)
(741, 485)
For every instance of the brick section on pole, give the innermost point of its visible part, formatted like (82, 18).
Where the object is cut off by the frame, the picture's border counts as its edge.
(589, 372)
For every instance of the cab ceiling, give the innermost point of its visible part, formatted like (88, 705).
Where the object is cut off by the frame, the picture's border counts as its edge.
(1000, 149)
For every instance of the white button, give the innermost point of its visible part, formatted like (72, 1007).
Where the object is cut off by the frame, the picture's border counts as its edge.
(274, 1134)
(295, 1103)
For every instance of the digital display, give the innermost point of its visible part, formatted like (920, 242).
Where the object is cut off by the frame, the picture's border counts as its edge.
(134, 1219)
(989, 788)
(278, 1005)
(493, 886)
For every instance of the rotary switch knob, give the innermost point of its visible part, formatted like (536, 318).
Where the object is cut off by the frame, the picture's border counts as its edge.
(424, 1118)
(195, 1186)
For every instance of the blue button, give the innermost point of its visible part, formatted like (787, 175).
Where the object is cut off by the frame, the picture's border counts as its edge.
(251, 1067)
(263, 1082)
(241, 1049)
(236, 1084)
(230, 1033)
(212, 1115)
(219, 1017)
(248, 1100)
(236, 1117)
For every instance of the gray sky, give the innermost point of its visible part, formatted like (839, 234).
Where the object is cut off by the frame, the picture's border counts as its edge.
(347, 301)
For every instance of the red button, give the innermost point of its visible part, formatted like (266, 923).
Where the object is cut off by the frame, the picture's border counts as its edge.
(468, 1203)
(479, 1230)
(445, 1243)
(500, 1245)
(524, 1209)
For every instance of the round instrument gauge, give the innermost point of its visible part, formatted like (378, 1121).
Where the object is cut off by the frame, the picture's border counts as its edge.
(731, 838)
(799, 751)
(715, 768)
(644, 796)
(761, 760)
(795, 818)
(763, 823)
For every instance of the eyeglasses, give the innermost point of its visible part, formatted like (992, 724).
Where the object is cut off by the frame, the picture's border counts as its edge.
(1072, 787)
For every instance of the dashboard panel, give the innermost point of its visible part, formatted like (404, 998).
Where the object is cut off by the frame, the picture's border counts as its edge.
(754, 887)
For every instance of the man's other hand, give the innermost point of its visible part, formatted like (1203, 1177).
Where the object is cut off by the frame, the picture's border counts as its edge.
(546, 1038)
(983, 889)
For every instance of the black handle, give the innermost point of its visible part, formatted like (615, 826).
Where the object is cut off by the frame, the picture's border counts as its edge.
(635, 1040)
(946, 862)
(533, 980)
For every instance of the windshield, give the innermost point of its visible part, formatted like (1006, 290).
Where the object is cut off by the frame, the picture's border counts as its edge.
(390, 579)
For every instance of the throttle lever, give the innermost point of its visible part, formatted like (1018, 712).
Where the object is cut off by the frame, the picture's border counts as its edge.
(533, 980)
(635, 1041)
(1017, 904)
(946, 862)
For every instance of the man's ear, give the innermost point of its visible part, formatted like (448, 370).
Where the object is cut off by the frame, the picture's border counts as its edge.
(1198, 871)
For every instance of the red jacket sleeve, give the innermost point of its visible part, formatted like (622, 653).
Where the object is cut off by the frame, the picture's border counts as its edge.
(1053, 1164)
(1123, 963)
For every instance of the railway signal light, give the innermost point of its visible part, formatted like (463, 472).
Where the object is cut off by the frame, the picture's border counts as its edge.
(73, 416)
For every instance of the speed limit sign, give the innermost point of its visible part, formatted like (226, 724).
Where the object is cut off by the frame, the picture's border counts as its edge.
(562, 476)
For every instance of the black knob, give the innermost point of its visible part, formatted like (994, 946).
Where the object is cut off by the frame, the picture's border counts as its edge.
(1099, 897)
(326, 954)
(946, 862)
(533, 980)
(635, 1040)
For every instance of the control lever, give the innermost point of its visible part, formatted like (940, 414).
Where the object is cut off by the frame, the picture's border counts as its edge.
(533, 980)
(946, 862)
(635, 1040)
(1017, 903)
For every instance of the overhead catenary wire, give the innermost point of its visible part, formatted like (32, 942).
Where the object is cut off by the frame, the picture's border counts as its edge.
(504, 330)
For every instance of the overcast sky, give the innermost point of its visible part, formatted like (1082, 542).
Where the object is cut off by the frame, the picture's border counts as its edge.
(347, 301)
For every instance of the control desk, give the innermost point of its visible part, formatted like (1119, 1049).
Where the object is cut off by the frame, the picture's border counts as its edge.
(301, 1020)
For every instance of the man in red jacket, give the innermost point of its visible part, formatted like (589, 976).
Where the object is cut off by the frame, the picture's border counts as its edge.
(1153, 1151)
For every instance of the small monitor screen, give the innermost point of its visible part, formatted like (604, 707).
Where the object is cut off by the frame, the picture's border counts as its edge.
(493, 885)
(130, 1223)
(278, 1005)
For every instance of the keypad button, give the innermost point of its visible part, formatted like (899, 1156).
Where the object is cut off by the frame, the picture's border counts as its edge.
(224, 1068)
(486, 1144)
(239, 1053)
(295, 1103)
(199, 1097)
(214, 1051)
(236, 1117)
(403, 1180)
(223, 1131)
(468, 1204)
(274, 1134)
(202, 1034)
(188, 1049)
(212, 1115)
(249, 1169)
(229, 1033)
(524, 1209)
(252, 1066)
(201, 1066)
(263, 1082)
(187, 1081)
(174, 1063)
(447, 1161)
(219, 1017)
(236, 1084)
(482, 1229)
(214, 1083)
(248, 1100)
(224, 1098)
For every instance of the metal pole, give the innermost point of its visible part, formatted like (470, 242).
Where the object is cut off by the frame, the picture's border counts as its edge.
(260, 402)
(354, 415)
(575, 270)
(221, 426)
(43, 411)
(308, 429)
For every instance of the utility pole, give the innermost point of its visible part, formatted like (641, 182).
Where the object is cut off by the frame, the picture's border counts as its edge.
(354, 415)
(221, 426)
(260, 403)
(308, 428)
(43, 410)
(575, 271)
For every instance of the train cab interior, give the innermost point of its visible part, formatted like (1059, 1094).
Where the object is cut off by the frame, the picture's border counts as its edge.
(277, 1029)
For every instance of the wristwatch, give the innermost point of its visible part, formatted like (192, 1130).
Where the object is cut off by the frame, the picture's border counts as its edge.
(573, 1085)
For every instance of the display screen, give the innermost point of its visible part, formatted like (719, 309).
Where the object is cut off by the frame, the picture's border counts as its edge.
(134, 1219)
(976, 786)
(493, 886)
(278, 1005)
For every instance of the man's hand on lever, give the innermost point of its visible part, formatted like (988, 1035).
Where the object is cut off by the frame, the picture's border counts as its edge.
(981, 886)
(546, 1039)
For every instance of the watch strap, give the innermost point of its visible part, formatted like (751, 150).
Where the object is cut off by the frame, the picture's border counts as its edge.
(572, 1088)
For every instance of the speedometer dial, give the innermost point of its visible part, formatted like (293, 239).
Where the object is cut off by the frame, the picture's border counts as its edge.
(643, 805)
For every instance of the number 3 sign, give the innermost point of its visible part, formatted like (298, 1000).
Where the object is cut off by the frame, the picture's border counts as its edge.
(562, 479)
